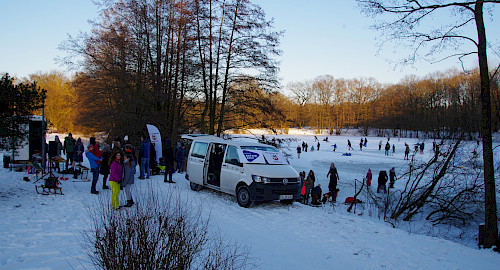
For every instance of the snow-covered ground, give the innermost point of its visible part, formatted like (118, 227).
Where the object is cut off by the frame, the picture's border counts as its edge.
(45, 232)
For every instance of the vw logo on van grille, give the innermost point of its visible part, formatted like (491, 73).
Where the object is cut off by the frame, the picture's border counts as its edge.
(285, 181)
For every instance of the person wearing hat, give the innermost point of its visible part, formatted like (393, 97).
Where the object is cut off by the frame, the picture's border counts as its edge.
(94, 167)
(369, 177)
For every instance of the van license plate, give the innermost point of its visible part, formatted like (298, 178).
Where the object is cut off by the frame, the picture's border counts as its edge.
(286, 197)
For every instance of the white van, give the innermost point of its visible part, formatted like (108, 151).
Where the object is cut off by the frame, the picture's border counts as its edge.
(253, 172)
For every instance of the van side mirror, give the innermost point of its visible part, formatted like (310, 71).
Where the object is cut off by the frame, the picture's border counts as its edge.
(236, 162)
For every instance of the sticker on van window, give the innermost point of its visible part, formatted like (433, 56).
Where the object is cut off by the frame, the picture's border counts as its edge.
(251, 156)
(275, 158)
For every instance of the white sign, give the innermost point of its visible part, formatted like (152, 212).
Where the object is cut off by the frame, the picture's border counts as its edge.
(275, 158)
(155, 137)
(251, 156)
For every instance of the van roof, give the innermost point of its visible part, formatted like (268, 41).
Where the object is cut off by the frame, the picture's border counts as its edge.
(243, 141)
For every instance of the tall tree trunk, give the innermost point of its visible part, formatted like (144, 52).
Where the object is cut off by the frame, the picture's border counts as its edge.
(203, 126)
(490, 208)
(212, 102)
(226, 76)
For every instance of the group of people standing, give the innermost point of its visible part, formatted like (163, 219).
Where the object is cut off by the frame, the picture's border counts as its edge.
(382, 179)
(73, 149)
(305, 147)
(119, 161)
(309, 190)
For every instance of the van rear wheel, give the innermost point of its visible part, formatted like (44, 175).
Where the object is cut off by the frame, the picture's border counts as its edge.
(195, 186)
(243, 197)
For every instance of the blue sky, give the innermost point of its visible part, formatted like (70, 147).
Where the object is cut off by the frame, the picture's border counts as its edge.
(321, 37)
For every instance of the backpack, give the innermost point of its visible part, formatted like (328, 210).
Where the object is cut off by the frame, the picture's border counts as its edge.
(51, 182)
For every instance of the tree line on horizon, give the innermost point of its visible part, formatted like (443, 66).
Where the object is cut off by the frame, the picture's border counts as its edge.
(437, 103)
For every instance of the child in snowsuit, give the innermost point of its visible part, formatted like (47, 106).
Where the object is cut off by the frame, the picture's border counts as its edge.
(128, 178)
(369, 177)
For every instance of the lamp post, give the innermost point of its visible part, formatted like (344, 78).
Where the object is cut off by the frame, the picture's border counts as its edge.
(43, 135)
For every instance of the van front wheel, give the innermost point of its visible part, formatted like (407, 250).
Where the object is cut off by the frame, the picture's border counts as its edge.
(243, 197)
(195, 186)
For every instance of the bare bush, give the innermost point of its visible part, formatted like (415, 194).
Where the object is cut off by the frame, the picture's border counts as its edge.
(444, 190)
(162, 231)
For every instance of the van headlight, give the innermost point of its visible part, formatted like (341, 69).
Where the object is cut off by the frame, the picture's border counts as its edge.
(261, 179)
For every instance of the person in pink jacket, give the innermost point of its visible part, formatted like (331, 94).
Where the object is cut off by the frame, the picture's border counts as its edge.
(115, 177)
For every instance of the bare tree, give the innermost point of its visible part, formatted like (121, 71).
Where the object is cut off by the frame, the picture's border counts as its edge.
(138, 66)
(323, 87)
(233, 37)
(302, 95)
(411, 23)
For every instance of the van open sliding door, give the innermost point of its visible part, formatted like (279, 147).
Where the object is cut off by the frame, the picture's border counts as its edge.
(214, 164)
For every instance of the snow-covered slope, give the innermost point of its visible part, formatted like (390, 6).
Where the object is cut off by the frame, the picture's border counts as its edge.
(43, 232)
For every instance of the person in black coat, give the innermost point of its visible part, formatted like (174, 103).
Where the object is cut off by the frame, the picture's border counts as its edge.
(382, 179)
(153, 164)
(104, 168)
(334, 177)
(392, 177)
(168, 156)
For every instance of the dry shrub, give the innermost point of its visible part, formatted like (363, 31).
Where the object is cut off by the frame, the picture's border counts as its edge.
(162, 231)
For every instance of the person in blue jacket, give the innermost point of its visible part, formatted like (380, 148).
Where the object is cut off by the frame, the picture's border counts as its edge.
(144, 155)
(94, 168)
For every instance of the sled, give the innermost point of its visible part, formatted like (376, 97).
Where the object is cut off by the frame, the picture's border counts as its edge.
(352, 200)
(48, 190)
(317, 204)
(51, 186)
(85, 171)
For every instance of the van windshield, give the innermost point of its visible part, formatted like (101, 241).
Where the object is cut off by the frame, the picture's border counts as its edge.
(261, 148)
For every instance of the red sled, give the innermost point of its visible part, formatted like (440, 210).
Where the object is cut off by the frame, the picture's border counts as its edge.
(351, 200)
